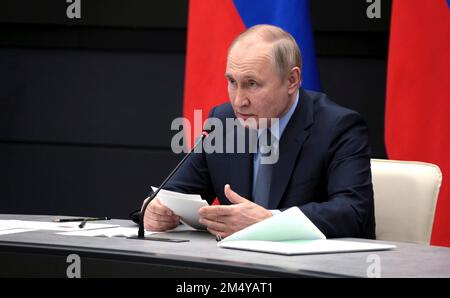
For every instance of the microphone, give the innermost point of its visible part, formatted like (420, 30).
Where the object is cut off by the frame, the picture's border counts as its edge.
(141, 232)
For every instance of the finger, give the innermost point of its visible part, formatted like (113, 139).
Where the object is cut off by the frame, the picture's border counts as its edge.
(233, 196)
(159, 226)
(151, 216)
(218, 226)
(157, 207)
(159, 217)
(213, 212)
(165, 223)
(203, 211)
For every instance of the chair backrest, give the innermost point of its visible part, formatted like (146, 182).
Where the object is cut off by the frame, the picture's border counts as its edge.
(405, 195)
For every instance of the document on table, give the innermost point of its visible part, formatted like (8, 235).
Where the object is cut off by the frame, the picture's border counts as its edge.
(120, 232)
(184, 205)
(14, 231)
(292, 233)
(11, 227)
(113, 232)
(14, 226)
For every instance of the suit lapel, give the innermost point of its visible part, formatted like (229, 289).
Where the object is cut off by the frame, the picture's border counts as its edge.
(291, 143)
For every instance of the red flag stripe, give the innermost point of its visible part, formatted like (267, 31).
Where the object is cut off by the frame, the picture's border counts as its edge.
(418, 94)
(212, 26)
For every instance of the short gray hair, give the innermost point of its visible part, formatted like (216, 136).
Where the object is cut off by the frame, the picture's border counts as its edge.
(286, 52)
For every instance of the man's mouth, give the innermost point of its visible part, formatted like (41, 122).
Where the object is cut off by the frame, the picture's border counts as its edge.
(243, 115)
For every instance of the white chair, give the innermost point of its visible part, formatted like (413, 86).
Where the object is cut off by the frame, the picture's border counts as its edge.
(405, 195)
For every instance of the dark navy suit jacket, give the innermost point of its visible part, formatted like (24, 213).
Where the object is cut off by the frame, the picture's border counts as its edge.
(323, 168)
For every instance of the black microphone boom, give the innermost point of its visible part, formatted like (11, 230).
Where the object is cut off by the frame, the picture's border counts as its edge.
(141, 232)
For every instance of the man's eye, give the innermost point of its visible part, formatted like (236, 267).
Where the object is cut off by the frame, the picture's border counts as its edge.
(252, 84)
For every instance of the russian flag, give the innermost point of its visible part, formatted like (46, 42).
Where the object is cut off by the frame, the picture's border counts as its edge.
(212, 26)
(418, 94)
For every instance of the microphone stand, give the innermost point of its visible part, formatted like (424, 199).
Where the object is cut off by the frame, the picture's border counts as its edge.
(141, 232)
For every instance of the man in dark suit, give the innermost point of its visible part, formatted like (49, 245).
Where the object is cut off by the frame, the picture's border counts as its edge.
(323, 154)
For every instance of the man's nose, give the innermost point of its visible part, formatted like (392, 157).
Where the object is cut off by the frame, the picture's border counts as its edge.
(241, 99)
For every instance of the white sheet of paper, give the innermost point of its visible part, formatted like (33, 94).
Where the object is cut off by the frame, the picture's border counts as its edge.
(52, 226)
(14, 231)
(6, 224)
(300, 247)
(184, 205)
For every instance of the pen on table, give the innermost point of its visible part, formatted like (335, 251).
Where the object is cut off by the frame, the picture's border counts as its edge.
(83, 223)
(83, 220)
(70, 219)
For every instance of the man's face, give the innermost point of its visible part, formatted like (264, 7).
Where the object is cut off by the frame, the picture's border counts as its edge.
(255, 88)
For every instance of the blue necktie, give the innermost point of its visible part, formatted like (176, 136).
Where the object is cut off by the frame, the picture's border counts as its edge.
(261, 189)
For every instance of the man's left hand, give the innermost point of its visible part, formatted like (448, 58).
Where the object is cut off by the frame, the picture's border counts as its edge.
(224, 220)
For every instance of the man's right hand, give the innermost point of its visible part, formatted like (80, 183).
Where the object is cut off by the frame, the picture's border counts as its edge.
(159, 218)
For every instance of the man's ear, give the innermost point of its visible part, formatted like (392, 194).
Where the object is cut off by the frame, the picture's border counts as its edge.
(294, 79)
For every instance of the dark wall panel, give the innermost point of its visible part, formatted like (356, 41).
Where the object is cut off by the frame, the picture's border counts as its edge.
(85, 181)
(114, 98)
(110, 13)
(357, 84)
